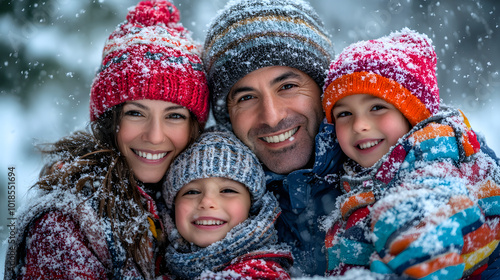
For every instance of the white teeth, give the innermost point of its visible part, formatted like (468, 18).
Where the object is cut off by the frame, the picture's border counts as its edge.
(150, 155)
(209, 222)
(368, 144)
(280, 138)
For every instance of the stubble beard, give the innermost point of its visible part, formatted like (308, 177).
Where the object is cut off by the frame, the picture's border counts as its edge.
(286, 159)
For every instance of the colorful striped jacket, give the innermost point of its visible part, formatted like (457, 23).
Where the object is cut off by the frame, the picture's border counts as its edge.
(429, 208)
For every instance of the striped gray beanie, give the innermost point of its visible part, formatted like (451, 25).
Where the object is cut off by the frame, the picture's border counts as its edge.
(251, 34)
(216, 153)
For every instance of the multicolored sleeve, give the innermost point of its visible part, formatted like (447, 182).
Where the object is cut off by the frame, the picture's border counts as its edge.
(347, 244)
(443, 222)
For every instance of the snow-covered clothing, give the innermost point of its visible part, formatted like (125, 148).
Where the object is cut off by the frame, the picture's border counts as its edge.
(60, 236)
(428, 208)
(250, 250)
(304, 196)
(257, 265)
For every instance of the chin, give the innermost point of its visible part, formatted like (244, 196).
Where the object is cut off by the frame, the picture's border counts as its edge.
(368, 164)
(149, 179)
(279, 168)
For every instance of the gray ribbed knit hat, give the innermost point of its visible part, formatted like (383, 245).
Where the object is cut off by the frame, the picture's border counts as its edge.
(216, 153)
(251, 34)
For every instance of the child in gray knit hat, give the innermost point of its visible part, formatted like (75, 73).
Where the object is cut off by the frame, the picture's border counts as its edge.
(220, 218)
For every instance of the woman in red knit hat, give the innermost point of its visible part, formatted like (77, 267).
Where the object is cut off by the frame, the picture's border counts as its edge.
(96, 213)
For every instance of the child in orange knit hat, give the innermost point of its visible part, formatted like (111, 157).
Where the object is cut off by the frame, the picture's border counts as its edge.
(420, 197)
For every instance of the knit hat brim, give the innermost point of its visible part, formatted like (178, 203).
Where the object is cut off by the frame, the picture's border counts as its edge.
(150, 72)
(373, 84)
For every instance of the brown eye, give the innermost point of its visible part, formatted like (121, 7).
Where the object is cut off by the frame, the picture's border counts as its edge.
(132, 113)
(176, 116)
(287, 86)
(191, 192)
(245, 98)
(342, 114)
(228, 191)
(378, 107)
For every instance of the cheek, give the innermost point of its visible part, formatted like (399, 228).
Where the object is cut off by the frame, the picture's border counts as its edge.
(342, 133)
(241, 208)
(395, 127)
(182, 210)
(180, 137)
(240, 120)
(310, 102)
(125, 135)
(316, 107)
(314, 115)
(241, 124)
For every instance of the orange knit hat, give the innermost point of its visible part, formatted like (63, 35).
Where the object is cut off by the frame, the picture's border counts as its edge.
(399, 68)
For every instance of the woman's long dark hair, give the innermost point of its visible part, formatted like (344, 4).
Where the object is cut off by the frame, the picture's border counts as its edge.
(91, 163)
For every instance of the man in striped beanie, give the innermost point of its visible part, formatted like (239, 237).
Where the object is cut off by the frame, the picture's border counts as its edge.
(265, 63)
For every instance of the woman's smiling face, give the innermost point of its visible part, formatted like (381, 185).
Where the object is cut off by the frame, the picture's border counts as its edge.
(151, 134)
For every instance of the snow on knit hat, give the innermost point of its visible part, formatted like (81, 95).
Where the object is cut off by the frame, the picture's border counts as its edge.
(216, 153)
(399, 68)
(151, 56)
(251, 34)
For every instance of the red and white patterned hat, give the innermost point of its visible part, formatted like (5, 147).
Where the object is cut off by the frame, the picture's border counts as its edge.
(151, 56)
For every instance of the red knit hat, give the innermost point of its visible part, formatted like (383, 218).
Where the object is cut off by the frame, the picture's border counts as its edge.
(151, 56)
(399, 68)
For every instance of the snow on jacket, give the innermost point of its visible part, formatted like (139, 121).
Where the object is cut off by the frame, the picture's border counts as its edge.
(249, 250)
(60, 236)
(256, 265)
(304, 196)
(429, 208)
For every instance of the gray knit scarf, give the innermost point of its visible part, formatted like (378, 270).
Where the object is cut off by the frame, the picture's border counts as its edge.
(256, 233)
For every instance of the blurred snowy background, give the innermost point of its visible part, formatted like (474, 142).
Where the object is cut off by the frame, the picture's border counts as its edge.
(50, 50)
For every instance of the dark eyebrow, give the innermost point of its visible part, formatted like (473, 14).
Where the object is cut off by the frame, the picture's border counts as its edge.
(284, 76)
(136, 104)
(174, 107)
(234, 92)
(280, 78)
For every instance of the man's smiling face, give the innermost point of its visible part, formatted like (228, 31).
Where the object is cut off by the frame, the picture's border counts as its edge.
(276, 111)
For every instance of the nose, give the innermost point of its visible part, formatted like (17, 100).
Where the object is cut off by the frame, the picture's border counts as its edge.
(208, 201)
(155, 132)
(361, 123)
(272, 110)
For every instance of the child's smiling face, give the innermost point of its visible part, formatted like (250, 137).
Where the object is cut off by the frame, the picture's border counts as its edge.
(367, 127)
(207, 209)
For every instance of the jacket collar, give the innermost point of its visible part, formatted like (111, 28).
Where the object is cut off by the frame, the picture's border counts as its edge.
(326, 162)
